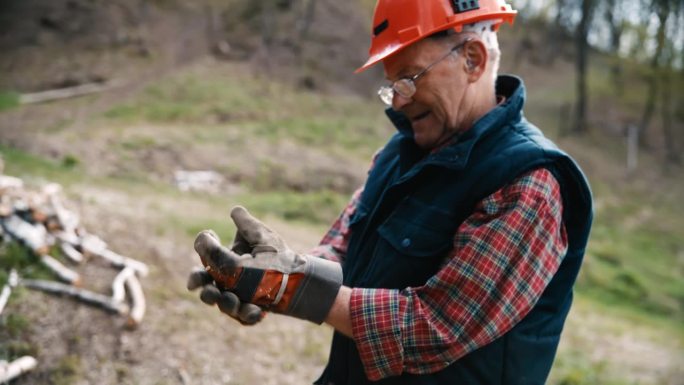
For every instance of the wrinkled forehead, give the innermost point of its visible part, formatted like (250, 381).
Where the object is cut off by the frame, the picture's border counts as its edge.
(412, 59)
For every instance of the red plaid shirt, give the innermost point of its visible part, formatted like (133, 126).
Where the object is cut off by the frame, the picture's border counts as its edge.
(503, 257)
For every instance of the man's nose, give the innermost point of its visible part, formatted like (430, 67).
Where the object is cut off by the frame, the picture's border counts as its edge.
(398, 101)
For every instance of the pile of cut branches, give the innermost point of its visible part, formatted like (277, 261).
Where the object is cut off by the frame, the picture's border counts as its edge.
(37, 220)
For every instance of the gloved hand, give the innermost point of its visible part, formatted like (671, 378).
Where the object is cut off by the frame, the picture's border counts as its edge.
(262, 270)
(228, 303)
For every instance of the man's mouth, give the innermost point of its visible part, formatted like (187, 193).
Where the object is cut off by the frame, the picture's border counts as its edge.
(420, 116)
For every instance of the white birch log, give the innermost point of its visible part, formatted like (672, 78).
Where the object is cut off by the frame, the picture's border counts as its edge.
(10, 182)
(11, 370)
(33, 236)
(118, 289)
(86, 296)
(67, 219)
(68, 237)
(7, 289)
(64, 273)
(4, 296)
(71, 252)
(69, 92)
(137, 312)
(92, 244)
(121, 261)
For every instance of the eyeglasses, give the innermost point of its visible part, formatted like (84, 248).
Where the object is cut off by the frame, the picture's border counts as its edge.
(406, 87)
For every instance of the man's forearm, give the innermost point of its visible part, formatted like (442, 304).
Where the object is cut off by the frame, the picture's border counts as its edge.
(339, 316)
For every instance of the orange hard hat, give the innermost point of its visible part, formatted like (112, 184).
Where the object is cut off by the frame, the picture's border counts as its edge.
(400, 23)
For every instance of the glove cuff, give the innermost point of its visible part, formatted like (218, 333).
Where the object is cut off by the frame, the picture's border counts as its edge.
(317, 292)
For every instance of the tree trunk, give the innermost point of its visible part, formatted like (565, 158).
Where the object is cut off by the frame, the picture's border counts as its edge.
(267, 22)
(616, 25)
(580, 125)
(671, 154)
(662, 10)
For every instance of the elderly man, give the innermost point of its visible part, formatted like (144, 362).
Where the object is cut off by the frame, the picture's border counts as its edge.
(454, 264)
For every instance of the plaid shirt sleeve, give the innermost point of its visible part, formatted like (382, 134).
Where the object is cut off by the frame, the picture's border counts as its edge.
(503, 257)
(333, 246)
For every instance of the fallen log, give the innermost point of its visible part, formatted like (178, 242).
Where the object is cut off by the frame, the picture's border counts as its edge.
(68, 92)
(7, 289)
(92, 244)
(11, 370)
(71, 252)
(86, 296)
(118, 288)
(62, 272)
(137, 311)
(33, 236)
(10, 182)
(121, 261)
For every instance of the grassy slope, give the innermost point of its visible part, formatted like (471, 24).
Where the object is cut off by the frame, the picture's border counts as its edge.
(634, 263)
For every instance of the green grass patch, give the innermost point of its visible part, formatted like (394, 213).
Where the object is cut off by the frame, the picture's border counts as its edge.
(8, 100)
(24, 165)
(575, 368)
(309, 209)
(320, 207)
(634, 254)
(16, 256)
(220, 96)
(67, 371)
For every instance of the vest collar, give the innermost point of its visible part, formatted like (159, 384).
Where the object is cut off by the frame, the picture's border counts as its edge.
(456, 155)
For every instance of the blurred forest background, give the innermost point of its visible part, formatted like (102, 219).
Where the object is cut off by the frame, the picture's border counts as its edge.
(262, 93)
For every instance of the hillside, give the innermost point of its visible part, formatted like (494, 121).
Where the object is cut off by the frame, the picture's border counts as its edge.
(291, 145)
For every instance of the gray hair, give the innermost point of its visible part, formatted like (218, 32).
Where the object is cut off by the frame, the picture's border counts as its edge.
(485, 30)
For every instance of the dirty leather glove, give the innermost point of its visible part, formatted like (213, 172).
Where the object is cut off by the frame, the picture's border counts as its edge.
(227, 302)
(262, 270)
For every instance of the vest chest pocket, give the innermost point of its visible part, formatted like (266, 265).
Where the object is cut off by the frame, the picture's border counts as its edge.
(413, 241)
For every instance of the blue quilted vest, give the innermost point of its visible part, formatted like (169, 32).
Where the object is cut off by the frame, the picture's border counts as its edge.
(410, 209)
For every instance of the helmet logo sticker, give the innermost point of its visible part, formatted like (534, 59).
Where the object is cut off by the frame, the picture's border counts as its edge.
(380, 27)
(461, 6)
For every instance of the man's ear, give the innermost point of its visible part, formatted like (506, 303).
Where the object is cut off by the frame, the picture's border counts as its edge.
(476, 58)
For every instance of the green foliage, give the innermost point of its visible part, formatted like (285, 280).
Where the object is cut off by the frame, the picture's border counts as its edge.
(8, 100)
(20, 163)
(575, 368)
(15, 256)
(261, 108)
(15, 324)
(633, 252)
(320, 207)
(15, 349)
(67, 371)
(70, 161)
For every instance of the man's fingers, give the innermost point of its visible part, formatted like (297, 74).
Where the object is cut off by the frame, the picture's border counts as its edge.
(250, 228)
(198, 278)
(250, 314)
(229, 304)
(214, 255)
(210, 295)
(240, 245)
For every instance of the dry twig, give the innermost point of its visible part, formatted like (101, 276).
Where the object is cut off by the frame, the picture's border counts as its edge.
(10, 370)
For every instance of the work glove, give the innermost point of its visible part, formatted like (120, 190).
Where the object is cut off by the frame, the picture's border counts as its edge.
(262, 270)
(227, 302)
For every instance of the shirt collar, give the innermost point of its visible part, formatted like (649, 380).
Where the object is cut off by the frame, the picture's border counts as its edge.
(458, 150)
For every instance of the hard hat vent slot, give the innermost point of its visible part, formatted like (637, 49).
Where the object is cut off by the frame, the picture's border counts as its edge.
(380, 27)
(461, 6)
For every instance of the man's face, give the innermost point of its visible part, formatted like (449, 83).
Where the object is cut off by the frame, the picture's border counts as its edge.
(436, 109)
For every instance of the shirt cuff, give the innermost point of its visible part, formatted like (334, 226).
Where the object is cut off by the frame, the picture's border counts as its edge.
(376, 330)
